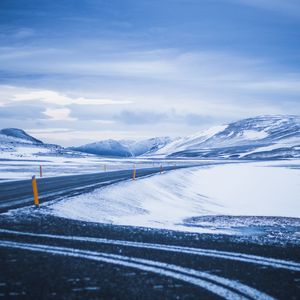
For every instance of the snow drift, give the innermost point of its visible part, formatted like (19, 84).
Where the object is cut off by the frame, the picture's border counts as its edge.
(170, 200)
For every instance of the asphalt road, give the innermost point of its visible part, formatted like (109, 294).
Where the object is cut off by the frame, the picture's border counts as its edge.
(15, 194)
(46, 257)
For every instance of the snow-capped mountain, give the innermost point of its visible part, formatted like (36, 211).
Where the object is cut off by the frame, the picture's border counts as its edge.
(264, 137)
(15, 135)
(105, 148)
(254, 138)
(124, 148)
(17, 144)
(147, 146)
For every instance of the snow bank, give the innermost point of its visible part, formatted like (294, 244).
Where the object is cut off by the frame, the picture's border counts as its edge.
(168, 200)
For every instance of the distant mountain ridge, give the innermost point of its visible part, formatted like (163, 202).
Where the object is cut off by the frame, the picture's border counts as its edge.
(104, 148)
(262, 137)
(259, 137)
(146, 146)
(16, 143)
(17, 135)
(124, 148)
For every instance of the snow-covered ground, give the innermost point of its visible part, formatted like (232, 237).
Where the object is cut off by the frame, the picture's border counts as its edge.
(23, 167)
(180, 199)
(21, 156)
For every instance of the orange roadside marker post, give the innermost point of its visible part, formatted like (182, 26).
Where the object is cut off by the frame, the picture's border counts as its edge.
(35, 192)
(134, 172)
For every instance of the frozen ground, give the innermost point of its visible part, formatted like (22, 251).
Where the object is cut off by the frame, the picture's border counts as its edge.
(24, 167)
(188, 200)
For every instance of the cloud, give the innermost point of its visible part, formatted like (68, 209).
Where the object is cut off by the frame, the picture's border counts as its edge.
(15, 33)
(140, 69)
(283, 86)
(11, 94)
(291, 7)
(101, 114)
(8, 53)
(74, 137)
(198, 120)
(56, 114)
(82, 61)
(195, 83)
(141, 117)
(145, 68)
(47, 130)
(23, 33)
(104, 122)
(21, 112)
(197, 69)
(154, 118)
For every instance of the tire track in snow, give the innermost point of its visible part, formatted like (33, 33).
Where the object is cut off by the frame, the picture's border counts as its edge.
(235, 256)
(223, 287)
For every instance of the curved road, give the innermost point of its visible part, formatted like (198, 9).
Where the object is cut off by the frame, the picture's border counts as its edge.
(46, 257)
(15, 194)
(51, 258)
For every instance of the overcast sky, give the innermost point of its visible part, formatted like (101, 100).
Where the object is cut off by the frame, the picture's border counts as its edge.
(73, 72)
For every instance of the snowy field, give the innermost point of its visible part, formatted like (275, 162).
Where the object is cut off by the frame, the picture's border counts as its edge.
(21, 159)
(187, 199)
(26, 166)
